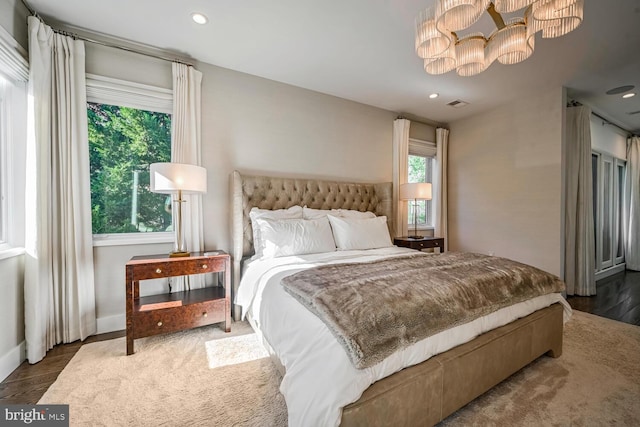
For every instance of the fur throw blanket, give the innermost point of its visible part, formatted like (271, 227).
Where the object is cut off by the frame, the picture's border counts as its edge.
(376, 308)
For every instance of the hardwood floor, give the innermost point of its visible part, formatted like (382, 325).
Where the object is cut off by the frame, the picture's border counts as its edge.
(618, 298)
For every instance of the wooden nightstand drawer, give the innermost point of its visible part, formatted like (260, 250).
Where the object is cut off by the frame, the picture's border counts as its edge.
(182, 268)
(177, 318)
(427, 244)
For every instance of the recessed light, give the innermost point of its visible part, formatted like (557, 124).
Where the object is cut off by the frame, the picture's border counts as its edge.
(199, 18)
(629, 95)
(434, 95)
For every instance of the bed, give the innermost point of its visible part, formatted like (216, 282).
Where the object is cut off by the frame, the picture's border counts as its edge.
(420, 385)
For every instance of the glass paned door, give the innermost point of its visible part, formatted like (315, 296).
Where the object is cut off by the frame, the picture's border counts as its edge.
(619, 211)
(595, 162)
(608, 190)
(606, 211)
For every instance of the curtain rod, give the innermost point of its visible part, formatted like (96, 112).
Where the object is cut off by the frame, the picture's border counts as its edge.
(607, 122)
(574, 103)
(102, 43)
(127, 49)
(428, 123)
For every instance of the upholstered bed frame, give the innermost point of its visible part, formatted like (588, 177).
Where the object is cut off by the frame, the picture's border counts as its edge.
(264, 192)
(426, 393)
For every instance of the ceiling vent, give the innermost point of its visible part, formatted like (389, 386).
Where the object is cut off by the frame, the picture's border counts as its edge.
(631, 113)
(457, 103)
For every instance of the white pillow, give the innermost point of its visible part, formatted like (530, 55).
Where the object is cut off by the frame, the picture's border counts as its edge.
(310, 213)
(365, 233)
(255, 214)
(295, 237)
(350, 213)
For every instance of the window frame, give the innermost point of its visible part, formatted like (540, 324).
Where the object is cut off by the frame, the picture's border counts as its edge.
(14, 72)
(122, 93)
(4, 164)
(426, 149)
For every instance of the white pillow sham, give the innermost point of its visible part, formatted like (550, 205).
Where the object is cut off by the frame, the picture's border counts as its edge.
(295, 237)
(350, 213)
(360, 233)
(293, 212)
(310, 213)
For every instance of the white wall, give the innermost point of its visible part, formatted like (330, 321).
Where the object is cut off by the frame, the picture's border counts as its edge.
(608, 139)
(505, 181)
(256, 126)
(13, 18)
(11, 315)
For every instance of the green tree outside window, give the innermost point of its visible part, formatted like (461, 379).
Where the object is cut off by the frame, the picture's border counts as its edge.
(123, 142)
(420, 168)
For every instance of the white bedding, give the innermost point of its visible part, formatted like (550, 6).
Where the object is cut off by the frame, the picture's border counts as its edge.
(320, 380)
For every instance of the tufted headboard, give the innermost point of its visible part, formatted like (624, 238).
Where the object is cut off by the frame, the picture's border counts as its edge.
(267, 192)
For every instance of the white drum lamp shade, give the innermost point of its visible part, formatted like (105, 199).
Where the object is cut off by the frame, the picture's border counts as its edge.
(169, 178)
(416, 191)
(178, 179)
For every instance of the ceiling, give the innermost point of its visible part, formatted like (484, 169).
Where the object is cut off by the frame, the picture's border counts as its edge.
(362, 50)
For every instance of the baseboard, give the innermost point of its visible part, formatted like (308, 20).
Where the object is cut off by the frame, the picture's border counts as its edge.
(11, 360)
(610, 271)
(111, 323)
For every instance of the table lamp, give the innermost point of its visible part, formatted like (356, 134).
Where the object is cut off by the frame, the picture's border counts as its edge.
(415, 191)
(178, 179)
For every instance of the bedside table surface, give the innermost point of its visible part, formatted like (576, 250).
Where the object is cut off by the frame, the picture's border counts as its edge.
(411, 239)
(166, 257)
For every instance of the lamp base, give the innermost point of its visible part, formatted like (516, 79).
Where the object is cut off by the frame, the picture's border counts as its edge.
(179, 254)
(415, 237)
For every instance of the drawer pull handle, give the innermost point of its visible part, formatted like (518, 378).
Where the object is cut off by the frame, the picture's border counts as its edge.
(158, 270)
(204, 314)
(159, 323)
(204, 265)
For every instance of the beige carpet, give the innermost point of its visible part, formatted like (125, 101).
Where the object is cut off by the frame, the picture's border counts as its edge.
(206, 377)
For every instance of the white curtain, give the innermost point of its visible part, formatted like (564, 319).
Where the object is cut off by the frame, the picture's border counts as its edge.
(440, 197)
(579, 255)
(186, 148)
(400, 174)
(632, 205)
(59, 291)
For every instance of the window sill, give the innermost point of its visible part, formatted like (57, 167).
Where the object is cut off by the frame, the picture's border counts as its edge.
(125, 239)
(421, 227)
(10, 252)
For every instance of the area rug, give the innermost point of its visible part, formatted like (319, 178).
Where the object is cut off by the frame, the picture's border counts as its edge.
(206, 377)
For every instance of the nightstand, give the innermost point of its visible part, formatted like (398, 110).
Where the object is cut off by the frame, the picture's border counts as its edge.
(175, 311)
(419, 244)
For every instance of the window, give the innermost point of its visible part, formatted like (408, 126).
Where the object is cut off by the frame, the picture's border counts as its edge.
(14, 74)
(129, 128)
(13, 125)
(421, 163)
(4, 86)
